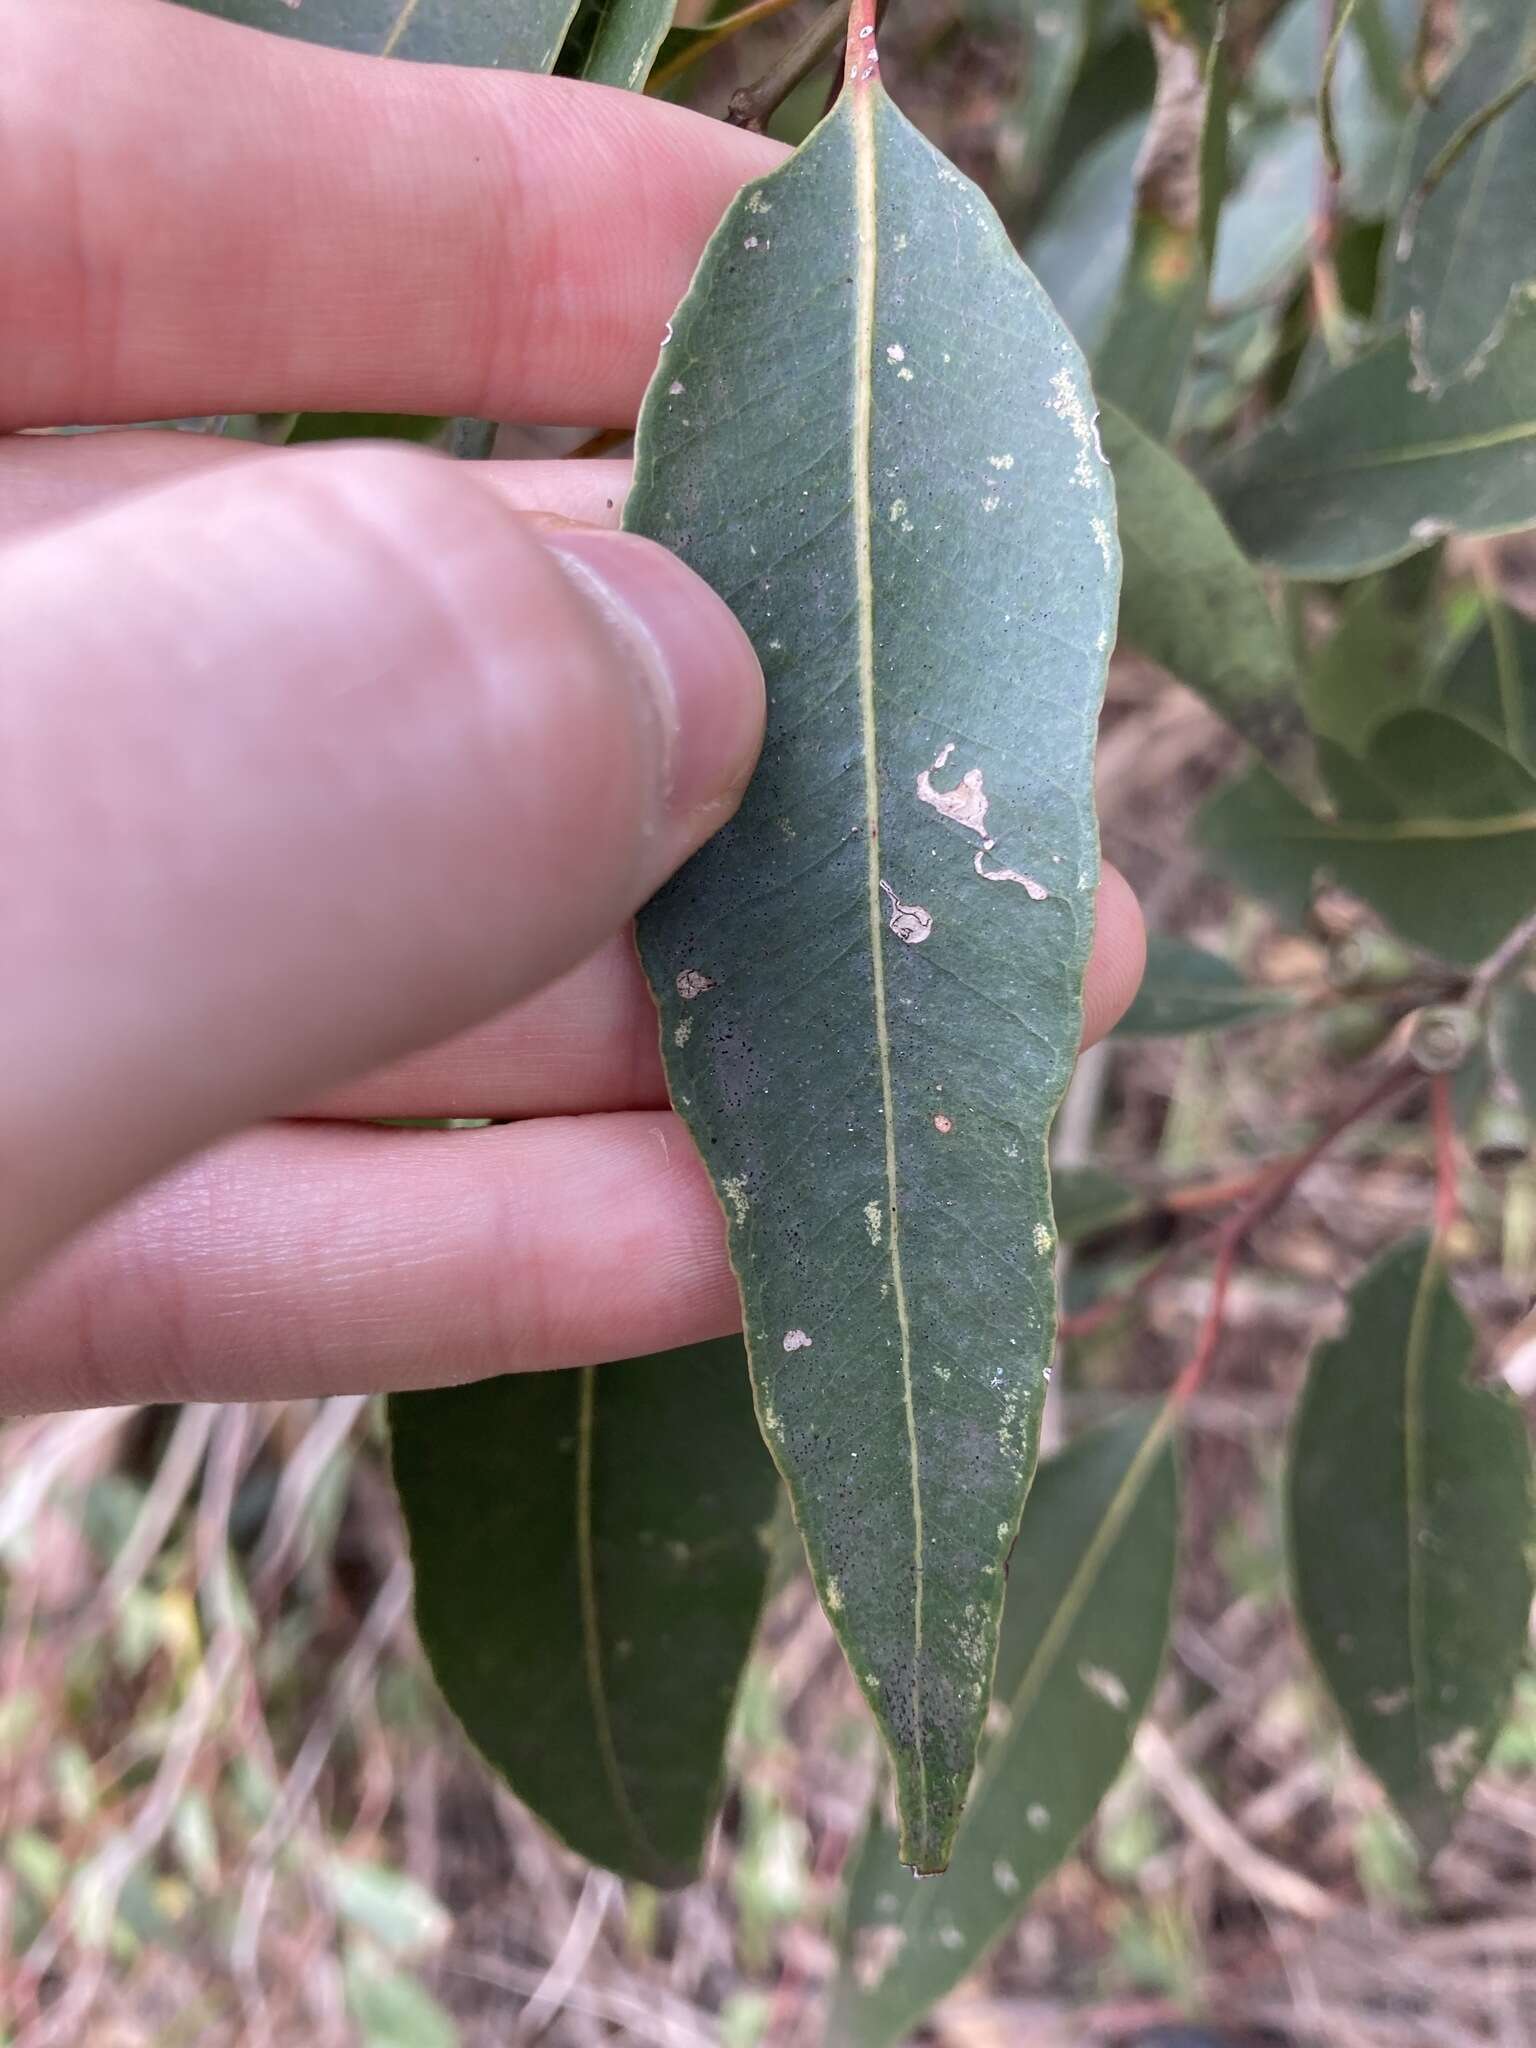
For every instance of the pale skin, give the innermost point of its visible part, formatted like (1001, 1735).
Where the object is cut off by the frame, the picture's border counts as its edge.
(330, 779)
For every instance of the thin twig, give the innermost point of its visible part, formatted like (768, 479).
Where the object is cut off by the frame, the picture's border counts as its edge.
(753, 106)
(1325, 120)
(1259, 1875)
(1503, 960)
(1446, 158)
(1235, 1232)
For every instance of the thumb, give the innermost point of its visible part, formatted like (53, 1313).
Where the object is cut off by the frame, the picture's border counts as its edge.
(305, 763)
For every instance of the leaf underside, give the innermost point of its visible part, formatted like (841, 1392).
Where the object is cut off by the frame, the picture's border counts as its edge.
(1409, 1510)
(870, 982)
(591, 1554)
(507, 35)
(1090, 1593)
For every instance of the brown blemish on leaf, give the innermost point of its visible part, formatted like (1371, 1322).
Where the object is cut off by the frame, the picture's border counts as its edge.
(943, 1125)
(691, 983)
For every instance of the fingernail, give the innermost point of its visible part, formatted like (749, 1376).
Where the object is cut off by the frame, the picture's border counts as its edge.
(703, 673)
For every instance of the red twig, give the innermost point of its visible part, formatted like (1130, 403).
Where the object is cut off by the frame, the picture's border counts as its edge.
(1238, 1227)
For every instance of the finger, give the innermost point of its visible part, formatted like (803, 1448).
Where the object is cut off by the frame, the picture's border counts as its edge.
(308, 1260)
(201, 218)
(341, 756)
(589, 1041)
(44, 477)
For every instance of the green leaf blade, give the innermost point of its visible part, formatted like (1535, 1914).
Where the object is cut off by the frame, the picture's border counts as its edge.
(1471, 241)
(1193, 602)
(1366, 469)
(591, 1556)
(615, 42)
(1084, 1632)
(503, 35)
(1186, 989)
(1408, 1502)
(870, 987)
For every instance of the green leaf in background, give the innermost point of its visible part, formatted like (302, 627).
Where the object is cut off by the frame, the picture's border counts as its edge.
(614, 42)
(1408, 1498)
(1057, 39)
(1442, 843)
(1371, 667)
(1464, 250)
(1188, 989)
(1181, 173)
(1191, 601)
(1080, 246)
(1491, 681)
(503, 35)
(591, 1550)
(1369, 97)
(870, 981)
(1089, 1595)
(1366, 469)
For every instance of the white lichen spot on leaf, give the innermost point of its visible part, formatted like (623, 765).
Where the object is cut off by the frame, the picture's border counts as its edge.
(683, 1033)
(1005, 1877)
(691, 982)
(1039, 1817)
(896, 353)
(734, 1189)
(1066, 401)
(874, 1221)
(1044, 1242)
(1001, 461)
(796, 1340)
(1106, 1685)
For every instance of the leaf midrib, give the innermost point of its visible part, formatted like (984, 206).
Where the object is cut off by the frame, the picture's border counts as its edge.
(862, 111)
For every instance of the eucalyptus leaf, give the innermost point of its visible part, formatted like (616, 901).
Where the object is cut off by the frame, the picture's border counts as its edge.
(1366, 468)
(1468, 241)
(1491, 681)
(615, 42)
(870, 980)
(1187, 989)
(503, 35)
(1408, 1500)
(1455, 878)
(1089, 1595)
(591, 1550)
(1192, 601)
(1181, 173)
(1370, 668)
(1082, 240)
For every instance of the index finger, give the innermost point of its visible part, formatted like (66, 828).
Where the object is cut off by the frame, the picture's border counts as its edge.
(202, 218)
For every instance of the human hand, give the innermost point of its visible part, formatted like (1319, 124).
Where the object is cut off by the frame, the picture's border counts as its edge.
(310, 760)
